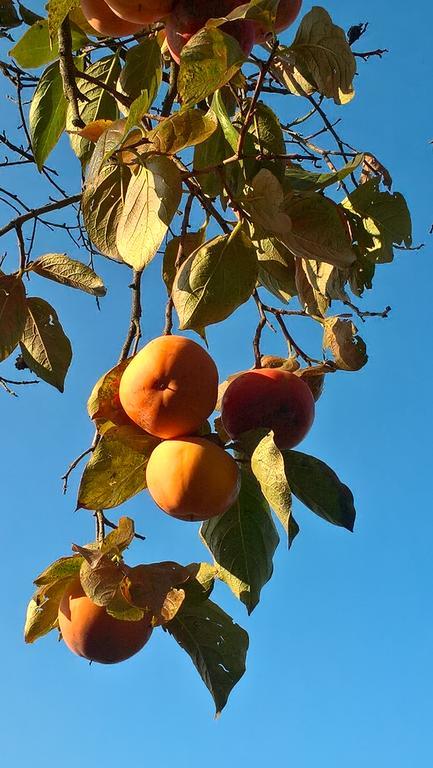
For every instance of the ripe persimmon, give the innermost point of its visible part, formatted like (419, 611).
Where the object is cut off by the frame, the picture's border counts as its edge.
(188, 16)
(192, 479)
(270, 398)
(102, 19)
(141, 11)
(89, 631)
(170, 387)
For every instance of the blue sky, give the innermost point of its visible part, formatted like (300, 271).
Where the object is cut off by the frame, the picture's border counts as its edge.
(340, 670)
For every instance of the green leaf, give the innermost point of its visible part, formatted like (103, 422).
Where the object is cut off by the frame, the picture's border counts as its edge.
(102, 206)
(348, 349)
(207, 155)
(104, 404)
(181, 130)
(62, 269)
(311, 299)
(151, 201)
(191, 241)
(116, 470)
(42, 610)
(13, 313)
(100, 104)
(319, 59)
(276, 269)
(215, 280)
(267, 131)
(236, 172)
(267, 464)
(265, 203)
(63, 568)
(243, 541)
(142, 74)
(217, 646)
(317, 486)
(9, 18)
(47, 116)
(318, 231)
(208, 61)
(57, 12)
(44, 346)
(385, 219)
(300, 179)
(121, 537)
(33, 49)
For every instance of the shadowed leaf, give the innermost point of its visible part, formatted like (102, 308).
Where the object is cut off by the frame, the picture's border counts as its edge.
(44, 346)
(13, 313)
(216, 645)
(243, 541)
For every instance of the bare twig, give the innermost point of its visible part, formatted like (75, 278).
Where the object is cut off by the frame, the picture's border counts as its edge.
(100, 526)
(65, 477)
(172, 90)
(179, 259)
(36, 213)
(134, 330)
(264, 68)
(112, 525)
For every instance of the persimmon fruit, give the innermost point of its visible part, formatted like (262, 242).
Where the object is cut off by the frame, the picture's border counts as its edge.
(188, 16)
(89, 631)
(102, 19)
(192, 479)
(269, 398)
(287, 12)
(141, 11)
(170, 387)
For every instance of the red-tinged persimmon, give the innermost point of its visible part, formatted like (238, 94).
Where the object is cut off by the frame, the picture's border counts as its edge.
(141, 11)
(170, 387)
(192, 479)
(287, 12)
(188, 16)
(89, 631)
(269, 398)
(102, 19)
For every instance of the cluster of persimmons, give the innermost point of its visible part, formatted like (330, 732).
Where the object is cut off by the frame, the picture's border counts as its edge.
(183, 19)
(169, 389)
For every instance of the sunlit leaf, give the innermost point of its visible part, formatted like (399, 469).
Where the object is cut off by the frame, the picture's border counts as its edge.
(117, 469)
(62, 269)
(319, 59)
(183, 129)
(267, 464)
(215, 280)
(151, 201)
(208, 61)
(33, 49)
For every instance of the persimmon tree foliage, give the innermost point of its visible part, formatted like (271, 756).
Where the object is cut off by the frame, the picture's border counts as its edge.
(189, 164)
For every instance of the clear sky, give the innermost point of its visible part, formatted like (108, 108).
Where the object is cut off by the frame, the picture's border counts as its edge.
(340, 668)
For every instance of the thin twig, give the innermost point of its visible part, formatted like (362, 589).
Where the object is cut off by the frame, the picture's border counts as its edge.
(170, 96)
(178, 262)
(134, 330)
(35, 213)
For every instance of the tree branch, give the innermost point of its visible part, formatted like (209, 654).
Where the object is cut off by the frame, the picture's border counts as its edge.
(134, 330)
(67, 71)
